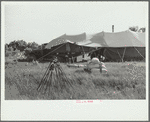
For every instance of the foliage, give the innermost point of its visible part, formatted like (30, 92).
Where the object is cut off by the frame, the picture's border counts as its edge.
(33, 45)
(40, 47)
(11, 52)
(134, 28)
(19, 49)
(27, 51)
(6, 47)
(143, 29)
(21, 45)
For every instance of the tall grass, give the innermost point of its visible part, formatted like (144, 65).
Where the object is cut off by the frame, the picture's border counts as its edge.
(122, 81)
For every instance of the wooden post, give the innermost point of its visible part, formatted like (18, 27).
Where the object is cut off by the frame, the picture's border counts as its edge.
(112, 28)
(100, 66)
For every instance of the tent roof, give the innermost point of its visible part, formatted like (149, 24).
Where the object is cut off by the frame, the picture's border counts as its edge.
(119, 39)
(139, 36)
(67, 38)
(103, 39)
(89, 43)
(76, 38)
(123, 39)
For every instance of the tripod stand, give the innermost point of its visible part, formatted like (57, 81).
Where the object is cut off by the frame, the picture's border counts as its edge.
(54, 78)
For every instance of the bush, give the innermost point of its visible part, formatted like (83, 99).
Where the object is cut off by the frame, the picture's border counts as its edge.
(27, 51)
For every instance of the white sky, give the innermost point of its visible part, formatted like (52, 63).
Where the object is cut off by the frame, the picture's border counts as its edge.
(43, 21)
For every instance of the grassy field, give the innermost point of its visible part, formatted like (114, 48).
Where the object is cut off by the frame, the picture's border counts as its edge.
(124, 81)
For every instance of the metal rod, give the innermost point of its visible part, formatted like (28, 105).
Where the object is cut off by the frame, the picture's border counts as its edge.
(44, 76)
(48, 81)
(43, 80)
(123, 53)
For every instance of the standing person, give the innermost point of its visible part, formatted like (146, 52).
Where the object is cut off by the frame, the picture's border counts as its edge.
(99, 56)
(101, 64)
(66, 56)
(92, 55)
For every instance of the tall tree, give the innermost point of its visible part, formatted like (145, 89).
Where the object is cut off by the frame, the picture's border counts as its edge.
(134, 28)
(143, 29)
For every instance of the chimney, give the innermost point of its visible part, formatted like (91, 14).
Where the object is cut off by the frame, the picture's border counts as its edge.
(112, 28)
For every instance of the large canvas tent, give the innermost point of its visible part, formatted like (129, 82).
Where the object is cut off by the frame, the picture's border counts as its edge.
(119, 39)
(125, 45)
(70, 49)
(71, 45)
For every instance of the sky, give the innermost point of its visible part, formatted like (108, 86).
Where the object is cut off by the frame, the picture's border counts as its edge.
(41, 22)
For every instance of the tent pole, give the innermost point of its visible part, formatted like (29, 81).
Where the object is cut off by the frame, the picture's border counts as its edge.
(139, 53)
(119, 55)
(73, 59)
(83, 53)
(123, 53)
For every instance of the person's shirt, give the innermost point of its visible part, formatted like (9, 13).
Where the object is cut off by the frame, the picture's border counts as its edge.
(96, 64)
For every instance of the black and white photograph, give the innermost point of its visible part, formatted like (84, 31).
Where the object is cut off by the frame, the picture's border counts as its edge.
(82, 52)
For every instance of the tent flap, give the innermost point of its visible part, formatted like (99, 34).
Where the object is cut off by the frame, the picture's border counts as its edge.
(115, 54)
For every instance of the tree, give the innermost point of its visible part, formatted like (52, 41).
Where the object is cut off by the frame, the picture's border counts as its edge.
(27, 51)
(32, 45)
(143, 29)
(40, 47)
(10, 49)
(13, 44)
(134, 28)
(6, 47)
(21, 45)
